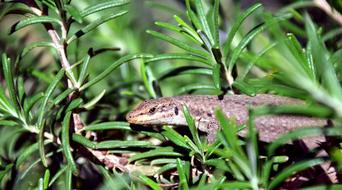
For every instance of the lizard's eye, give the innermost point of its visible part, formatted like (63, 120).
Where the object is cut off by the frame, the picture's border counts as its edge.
(152, 110)
(176, 110)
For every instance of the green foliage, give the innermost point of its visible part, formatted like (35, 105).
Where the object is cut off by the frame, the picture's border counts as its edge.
(72, 69)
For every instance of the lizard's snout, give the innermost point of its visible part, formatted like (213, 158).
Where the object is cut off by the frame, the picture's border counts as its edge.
(142, 114)
(134, 117)
(130, 117)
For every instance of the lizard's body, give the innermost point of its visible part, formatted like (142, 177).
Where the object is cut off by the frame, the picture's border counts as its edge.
(168, 110)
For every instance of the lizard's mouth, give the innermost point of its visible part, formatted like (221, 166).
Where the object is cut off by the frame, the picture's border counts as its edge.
(143, 119)
(136, 118)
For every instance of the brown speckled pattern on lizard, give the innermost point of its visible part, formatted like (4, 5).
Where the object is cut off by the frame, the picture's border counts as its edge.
(168, 110)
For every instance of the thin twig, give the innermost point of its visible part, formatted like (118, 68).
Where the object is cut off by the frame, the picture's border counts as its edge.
(53, 35)
(111, 161)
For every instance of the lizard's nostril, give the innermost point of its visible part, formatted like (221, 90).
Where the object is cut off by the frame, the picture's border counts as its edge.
(128, 116)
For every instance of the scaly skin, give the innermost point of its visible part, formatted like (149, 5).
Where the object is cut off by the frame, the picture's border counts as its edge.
(168, 110)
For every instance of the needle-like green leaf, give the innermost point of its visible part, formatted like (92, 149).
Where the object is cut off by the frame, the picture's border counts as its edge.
(163, 151)
(68, 178)
(7, 69)
(203, 19)
(40, 122)
(112, 67)
(94, 25)
(192, 126)
(242, 45)
(46, 179)
(75, 14)
(28, 152)
(194, 87)
(34, 20)
(102, 6)
(183, 182)
(148, 79)
(175, 137)
(47, 96)
(28, 48)
(84, 141)
(150, 182)
(89, 105)
(58, 174)
(84, 70)
(175, 56)
(111, 144)
(185, 71)
(178, 43)
(235, 27)
(66, 142)
(301, 133)
(108, 126)
(290, 170)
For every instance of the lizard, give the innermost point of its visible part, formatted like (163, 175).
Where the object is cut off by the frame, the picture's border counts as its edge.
(168, 111)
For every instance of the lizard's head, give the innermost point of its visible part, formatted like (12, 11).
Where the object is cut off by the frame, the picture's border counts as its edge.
(157, 112)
